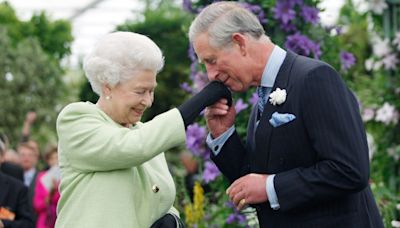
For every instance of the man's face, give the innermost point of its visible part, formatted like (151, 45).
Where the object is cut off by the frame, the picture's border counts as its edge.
(226, 65)
(28, 157)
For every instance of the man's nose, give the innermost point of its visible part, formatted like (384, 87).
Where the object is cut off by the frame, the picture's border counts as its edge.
(212, 73)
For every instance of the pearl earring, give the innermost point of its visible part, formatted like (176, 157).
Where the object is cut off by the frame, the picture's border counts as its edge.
(107, 97)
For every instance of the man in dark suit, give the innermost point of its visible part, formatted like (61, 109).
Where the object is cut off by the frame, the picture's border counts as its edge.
(12, 170)
(14, 206)
(305, 162)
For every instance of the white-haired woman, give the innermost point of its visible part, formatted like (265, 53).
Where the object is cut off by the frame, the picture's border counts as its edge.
(113, 169)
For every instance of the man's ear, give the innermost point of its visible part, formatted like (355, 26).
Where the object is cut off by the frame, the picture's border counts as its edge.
(240, 40)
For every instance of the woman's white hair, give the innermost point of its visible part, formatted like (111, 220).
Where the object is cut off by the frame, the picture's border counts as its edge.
(221, 19)
(118, 56)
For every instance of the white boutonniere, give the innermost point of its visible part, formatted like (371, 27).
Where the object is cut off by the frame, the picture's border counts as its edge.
(278, 96)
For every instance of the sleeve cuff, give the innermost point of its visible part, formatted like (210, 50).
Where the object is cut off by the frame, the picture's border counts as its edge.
(216, 144)
(272, 197)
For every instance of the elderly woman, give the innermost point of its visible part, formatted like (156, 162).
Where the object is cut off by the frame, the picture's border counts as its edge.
(113, 169)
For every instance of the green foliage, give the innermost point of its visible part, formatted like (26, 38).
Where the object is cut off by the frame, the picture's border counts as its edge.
(54, 37)
(30, 72)
(29, 82)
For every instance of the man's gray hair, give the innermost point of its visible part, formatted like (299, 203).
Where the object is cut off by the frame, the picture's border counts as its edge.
(118, 56)
(221, 20)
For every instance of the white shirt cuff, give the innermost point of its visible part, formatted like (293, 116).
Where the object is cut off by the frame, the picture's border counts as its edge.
(271, 193)
(216, 144)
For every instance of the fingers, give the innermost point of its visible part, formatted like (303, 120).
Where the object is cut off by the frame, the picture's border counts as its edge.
(249, 189)
(237, 193)
(217, 109)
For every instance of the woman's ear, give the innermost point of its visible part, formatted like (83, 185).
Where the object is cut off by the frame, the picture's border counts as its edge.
(106, 90)
(240, 40)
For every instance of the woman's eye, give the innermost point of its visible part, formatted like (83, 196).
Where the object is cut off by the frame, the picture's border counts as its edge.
(140, 92)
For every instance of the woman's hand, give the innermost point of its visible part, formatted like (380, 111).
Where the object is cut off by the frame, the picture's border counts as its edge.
(210, 94)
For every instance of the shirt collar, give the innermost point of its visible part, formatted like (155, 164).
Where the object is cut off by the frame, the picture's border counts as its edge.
(272, 66)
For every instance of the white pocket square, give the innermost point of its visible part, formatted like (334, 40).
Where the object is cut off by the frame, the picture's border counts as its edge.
(277, 119)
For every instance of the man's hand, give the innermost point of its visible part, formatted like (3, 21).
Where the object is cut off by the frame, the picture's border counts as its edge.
(249, 189)
(220, 117)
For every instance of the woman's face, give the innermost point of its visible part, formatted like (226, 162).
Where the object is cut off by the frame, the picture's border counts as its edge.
(52, 160)
(129, 99)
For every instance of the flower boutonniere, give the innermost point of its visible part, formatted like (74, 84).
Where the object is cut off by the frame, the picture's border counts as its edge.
(278, 96)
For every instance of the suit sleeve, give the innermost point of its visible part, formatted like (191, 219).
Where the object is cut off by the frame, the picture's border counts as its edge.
(89, 143)
(333, 123)
(232, 159)
(23, 218)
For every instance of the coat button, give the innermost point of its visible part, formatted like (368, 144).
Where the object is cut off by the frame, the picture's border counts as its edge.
(155, 188)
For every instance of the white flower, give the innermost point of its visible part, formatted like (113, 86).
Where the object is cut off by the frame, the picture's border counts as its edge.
(390, 62)
(387, 114)
(398, 206)
(377, 6)
(396, 40)
(278, 96)
(369, 64)
(9, 76)
(395, 223)
(368, 114)
(381, 47)
(371, 146)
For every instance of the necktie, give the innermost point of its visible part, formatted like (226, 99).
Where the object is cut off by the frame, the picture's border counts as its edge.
(262, 99)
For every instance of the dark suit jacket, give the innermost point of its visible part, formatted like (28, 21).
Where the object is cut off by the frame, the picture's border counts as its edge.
(12, 170)
(320, 158)
(14, 197)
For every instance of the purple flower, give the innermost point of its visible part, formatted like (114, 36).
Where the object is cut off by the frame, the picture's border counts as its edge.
(302, 45)
(211, 172)
(284, 12)
(199, 81)
(186, 87)
(231, 219)
(310, 14)
(288, 27)
(240, 105)
(187, 5)
(236, 216)
(347, 60)
(192, 53)
(316, 50)
(257, 10)
(195, 139)
(294, 2)
(254, 98)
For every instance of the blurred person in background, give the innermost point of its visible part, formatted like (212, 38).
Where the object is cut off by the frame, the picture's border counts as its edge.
(28, 122)
(14, 206)
(10, 165)
(46, 193)
(29, 156)
(113, 169)
(12, 156)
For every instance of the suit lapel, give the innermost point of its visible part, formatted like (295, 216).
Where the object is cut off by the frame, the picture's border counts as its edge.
(264, 129)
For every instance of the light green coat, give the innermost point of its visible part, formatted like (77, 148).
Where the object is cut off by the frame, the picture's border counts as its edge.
(108, 172)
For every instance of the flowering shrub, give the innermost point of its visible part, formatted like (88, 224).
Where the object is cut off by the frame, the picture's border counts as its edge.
(366, 59)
